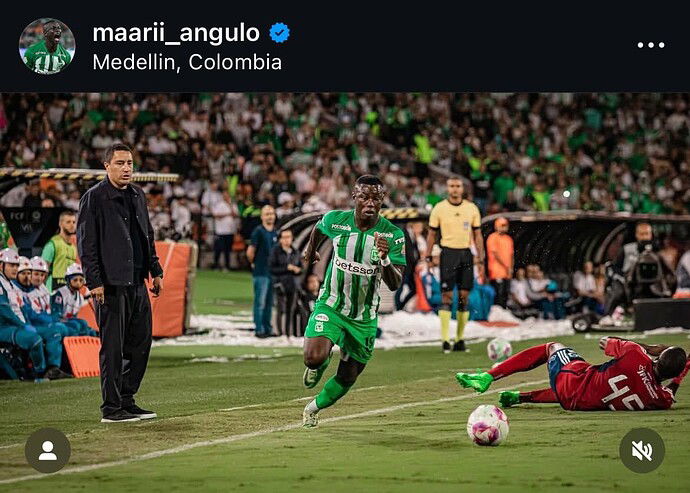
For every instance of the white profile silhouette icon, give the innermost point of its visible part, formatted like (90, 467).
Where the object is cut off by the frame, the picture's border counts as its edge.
(47, 451)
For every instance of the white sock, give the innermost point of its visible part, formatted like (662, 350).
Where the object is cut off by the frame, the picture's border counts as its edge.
(312, 407)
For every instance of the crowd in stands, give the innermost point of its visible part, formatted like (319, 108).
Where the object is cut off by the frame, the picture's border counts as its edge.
(237, 152)
(608, 152)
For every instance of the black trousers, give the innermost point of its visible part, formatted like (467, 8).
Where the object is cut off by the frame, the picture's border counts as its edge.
(222, 245)
(615, 296)
(407, 280)
(124, 322)
(286, 303)
(502, 288)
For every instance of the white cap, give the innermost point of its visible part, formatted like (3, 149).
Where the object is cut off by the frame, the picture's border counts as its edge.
(37, 263)
(9, 256)
(74, 270)
(24, 264)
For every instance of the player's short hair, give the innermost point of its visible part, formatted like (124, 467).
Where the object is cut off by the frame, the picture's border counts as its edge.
(110, 150)
(287, 230)
(66, 213)
(369, 180)
(50, 21)
(671, 363)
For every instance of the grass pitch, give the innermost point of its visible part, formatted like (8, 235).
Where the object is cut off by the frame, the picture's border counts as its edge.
(402, 428)
(222, 293)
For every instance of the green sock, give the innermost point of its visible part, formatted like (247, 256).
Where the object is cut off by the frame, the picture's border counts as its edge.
(463, 317)
(444, 315)
(332, 390)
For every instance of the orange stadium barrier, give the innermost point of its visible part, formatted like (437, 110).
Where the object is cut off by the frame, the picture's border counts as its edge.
(87, 313)
(169, 308)
(82, 353)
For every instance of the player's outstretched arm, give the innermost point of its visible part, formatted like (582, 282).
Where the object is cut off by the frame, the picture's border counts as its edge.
(650, 349)
(392, 275)
(311, 255)
(675, 383)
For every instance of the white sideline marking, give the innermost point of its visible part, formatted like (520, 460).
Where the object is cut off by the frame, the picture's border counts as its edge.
(237, 408)
(253, 434)
(240, 407)
(308, 398)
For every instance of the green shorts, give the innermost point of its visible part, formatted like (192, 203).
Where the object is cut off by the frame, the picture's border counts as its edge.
(356, 338)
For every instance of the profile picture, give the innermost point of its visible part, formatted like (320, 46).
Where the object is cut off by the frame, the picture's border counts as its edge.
(47, 46)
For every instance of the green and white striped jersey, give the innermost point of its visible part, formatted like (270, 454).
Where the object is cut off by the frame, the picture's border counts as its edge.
(40, 60)
(351, 285)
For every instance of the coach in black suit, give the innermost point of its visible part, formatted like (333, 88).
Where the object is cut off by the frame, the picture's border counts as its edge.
(115, 242)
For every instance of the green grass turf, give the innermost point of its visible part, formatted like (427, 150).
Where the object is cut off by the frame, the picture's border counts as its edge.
(419, 448)
(222, 293)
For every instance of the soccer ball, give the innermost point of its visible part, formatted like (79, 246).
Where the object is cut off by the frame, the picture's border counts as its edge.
(499, 350)
(487, 425)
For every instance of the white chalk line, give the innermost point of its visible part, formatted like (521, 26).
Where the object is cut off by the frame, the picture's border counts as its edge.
(249, 406)
(308, 398)
(254, 434)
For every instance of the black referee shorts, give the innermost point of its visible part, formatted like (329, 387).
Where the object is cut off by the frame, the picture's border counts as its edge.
(457, 268)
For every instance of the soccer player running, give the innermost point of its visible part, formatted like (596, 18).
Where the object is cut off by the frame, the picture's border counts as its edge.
(367, 248)
(455, 221)
(48, 56)
(632, 381)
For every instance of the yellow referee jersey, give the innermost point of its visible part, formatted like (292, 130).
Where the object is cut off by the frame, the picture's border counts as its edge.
(455, 222)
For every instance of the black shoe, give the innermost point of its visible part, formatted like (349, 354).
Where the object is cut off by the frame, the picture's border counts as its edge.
(139, 412)
(459, 346)
(55, 373)
(261, 336)
(446, 347)
(120, 416)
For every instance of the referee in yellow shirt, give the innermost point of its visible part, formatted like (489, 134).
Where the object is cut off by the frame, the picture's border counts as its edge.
(454, 221)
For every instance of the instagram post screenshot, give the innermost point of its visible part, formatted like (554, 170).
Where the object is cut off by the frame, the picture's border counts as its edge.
(347, 247)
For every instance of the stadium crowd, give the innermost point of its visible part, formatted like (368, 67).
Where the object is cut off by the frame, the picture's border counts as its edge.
(610, 152)
(301, 153)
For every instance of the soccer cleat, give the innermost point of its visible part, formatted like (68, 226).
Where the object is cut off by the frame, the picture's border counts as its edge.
(509, 398)
(310, 419)
(445, 347)
(477, 381)
(459, 346)
(311, 377)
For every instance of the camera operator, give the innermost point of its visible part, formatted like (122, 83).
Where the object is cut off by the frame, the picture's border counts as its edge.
(638, 272)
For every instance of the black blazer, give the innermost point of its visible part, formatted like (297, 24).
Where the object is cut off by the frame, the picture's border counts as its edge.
(103, 236)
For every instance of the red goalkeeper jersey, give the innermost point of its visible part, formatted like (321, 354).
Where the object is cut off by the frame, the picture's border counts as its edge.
(625, 383)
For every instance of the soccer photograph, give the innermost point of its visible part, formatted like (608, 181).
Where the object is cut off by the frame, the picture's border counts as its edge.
(191, 277)
(348, 248)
